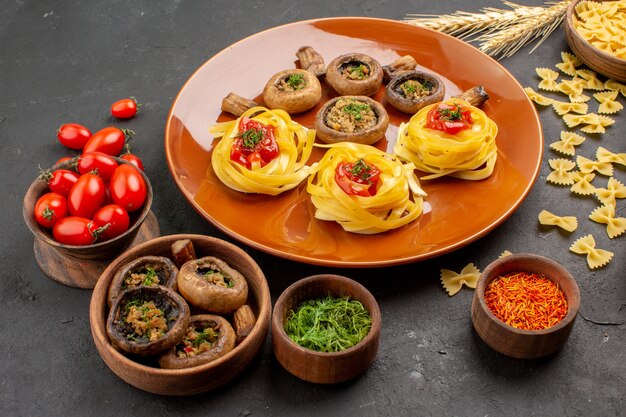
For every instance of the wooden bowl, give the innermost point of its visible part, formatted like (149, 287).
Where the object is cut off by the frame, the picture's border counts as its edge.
(324, 367)
(79, 266)
(508, 340)
(599, 61)
(146, 375)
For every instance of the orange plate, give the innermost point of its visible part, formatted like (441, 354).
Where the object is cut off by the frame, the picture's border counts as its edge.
(457, 212)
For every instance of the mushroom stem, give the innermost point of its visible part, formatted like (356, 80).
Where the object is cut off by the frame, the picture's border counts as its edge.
(403, 64)
(236, 105)
(183, 251)
(475, 96)
(311, 60)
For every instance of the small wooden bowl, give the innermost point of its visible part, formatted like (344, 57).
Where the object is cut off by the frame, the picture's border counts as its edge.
(508, 340)
(201, 378)
(324, 367)
(599, 61)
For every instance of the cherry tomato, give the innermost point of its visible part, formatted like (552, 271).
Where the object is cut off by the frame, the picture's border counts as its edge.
(449, 118)
(125, 108)
(109, 140)
(255, 146)
(97, 162)
(73, 230)
(357, 178)
(60, 181)
(50, 208)
(133, 159)
(73, 135)
(86, 196)
(128, 188)
(115, 217)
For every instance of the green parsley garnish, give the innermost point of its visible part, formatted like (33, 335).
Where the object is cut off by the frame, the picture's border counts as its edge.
(329, 324)
(148, 279)
(357, 71)
(251, 137)
(208, 334)
(451, 115)
(356, 109)
(296, 81)
(361, 170)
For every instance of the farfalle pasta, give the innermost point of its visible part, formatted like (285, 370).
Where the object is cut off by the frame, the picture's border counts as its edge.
(538, 98)
(568, 223)
(596, 258)
(436, 143)
(263, 151)
(605, 214)
(561, 174)
(591, 79)
(582, 183)
(586, 166)
(612, 84)
(562, 107)
(453, 282)
(602, 25)
(608, 102)
(604, 155)
(613, 190)
(548, 79)
(567, 143)
(364, 189)
(569, 63)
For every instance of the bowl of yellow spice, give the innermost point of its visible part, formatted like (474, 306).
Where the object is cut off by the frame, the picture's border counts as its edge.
(595, 33)
(326, 329)
(525, 305)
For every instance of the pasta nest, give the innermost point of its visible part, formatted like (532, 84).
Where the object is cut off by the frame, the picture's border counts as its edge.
(397, 202)
(469, 154)
(286, 171)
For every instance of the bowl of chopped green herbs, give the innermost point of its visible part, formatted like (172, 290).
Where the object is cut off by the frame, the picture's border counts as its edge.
(326, 329)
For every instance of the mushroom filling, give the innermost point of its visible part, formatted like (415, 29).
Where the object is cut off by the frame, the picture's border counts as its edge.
(416, 88)
(355, 70)
(213, 276)
(148, 277)
(292, 82)
(144, 321)
(199, 339)
(350, 116)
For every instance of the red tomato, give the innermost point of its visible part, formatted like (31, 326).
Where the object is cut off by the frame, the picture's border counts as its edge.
(128, 188)
(50, 208)
(97, 162)
(115, 217)
(60, 181)
(73, 230)
(255, 146)
(125, 108)
(86, 196)
(357, 178)
(133, 159)
(109, 140)
(73, 135)
(449, 118)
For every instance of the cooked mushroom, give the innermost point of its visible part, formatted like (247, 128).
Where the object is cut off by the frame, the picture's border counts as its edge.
(401, 65)
(236, 105)
(147, 321)
(475, 96)
(212, 285)
(410, 91)
(354, 74)
(144, 271)
(351, 119)
(207, 338)
(311, 61)
(293, 90)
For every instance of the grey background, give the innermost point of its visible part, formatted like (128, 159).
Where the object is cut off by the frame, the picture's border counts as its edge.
(63, 61)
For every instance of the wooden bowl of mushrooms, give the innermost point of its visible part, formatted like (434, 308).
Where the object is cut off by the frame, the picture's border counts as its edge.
(186, 335)
(589, 32)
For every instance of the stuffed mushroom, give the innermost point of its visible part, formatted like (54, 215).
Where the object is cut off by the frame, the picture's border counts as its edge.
(351, 119)
(293, 90)
(212, 285)
(355, 74)
(410, 91)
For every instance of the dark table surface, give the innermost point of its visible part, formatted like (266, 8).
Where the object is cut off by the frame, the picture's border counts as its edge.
(64, 61)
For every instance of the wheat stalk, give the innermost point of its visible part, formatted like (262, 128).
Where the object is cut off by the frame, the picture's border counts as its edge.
(500, 31)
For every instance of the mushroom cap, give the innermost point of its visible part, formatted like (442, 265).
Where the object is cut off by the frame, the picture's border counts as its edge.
(225, 343)
(396, 98)
(347, 87)
(208, 296)
(174, 308)
(329, 135)
(296, 101)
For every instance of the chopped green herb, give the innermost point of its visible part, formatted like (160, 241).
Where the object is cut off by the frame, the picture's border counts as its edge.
(451, 114)
(329, 324)
(357, 72)
(251, 137)
(296, 81)
(148, 279)
(208, 334)
(361, 170)
(356, 109)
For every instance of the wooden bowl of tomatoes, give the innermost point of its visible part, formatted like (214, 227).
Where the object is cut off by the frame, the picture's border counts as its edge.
(84, 212)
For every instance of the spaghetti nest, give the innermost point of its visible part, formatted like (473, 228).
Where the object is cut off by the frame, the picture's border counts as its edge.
(468, 154)
(283, 172)
(397, 200)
